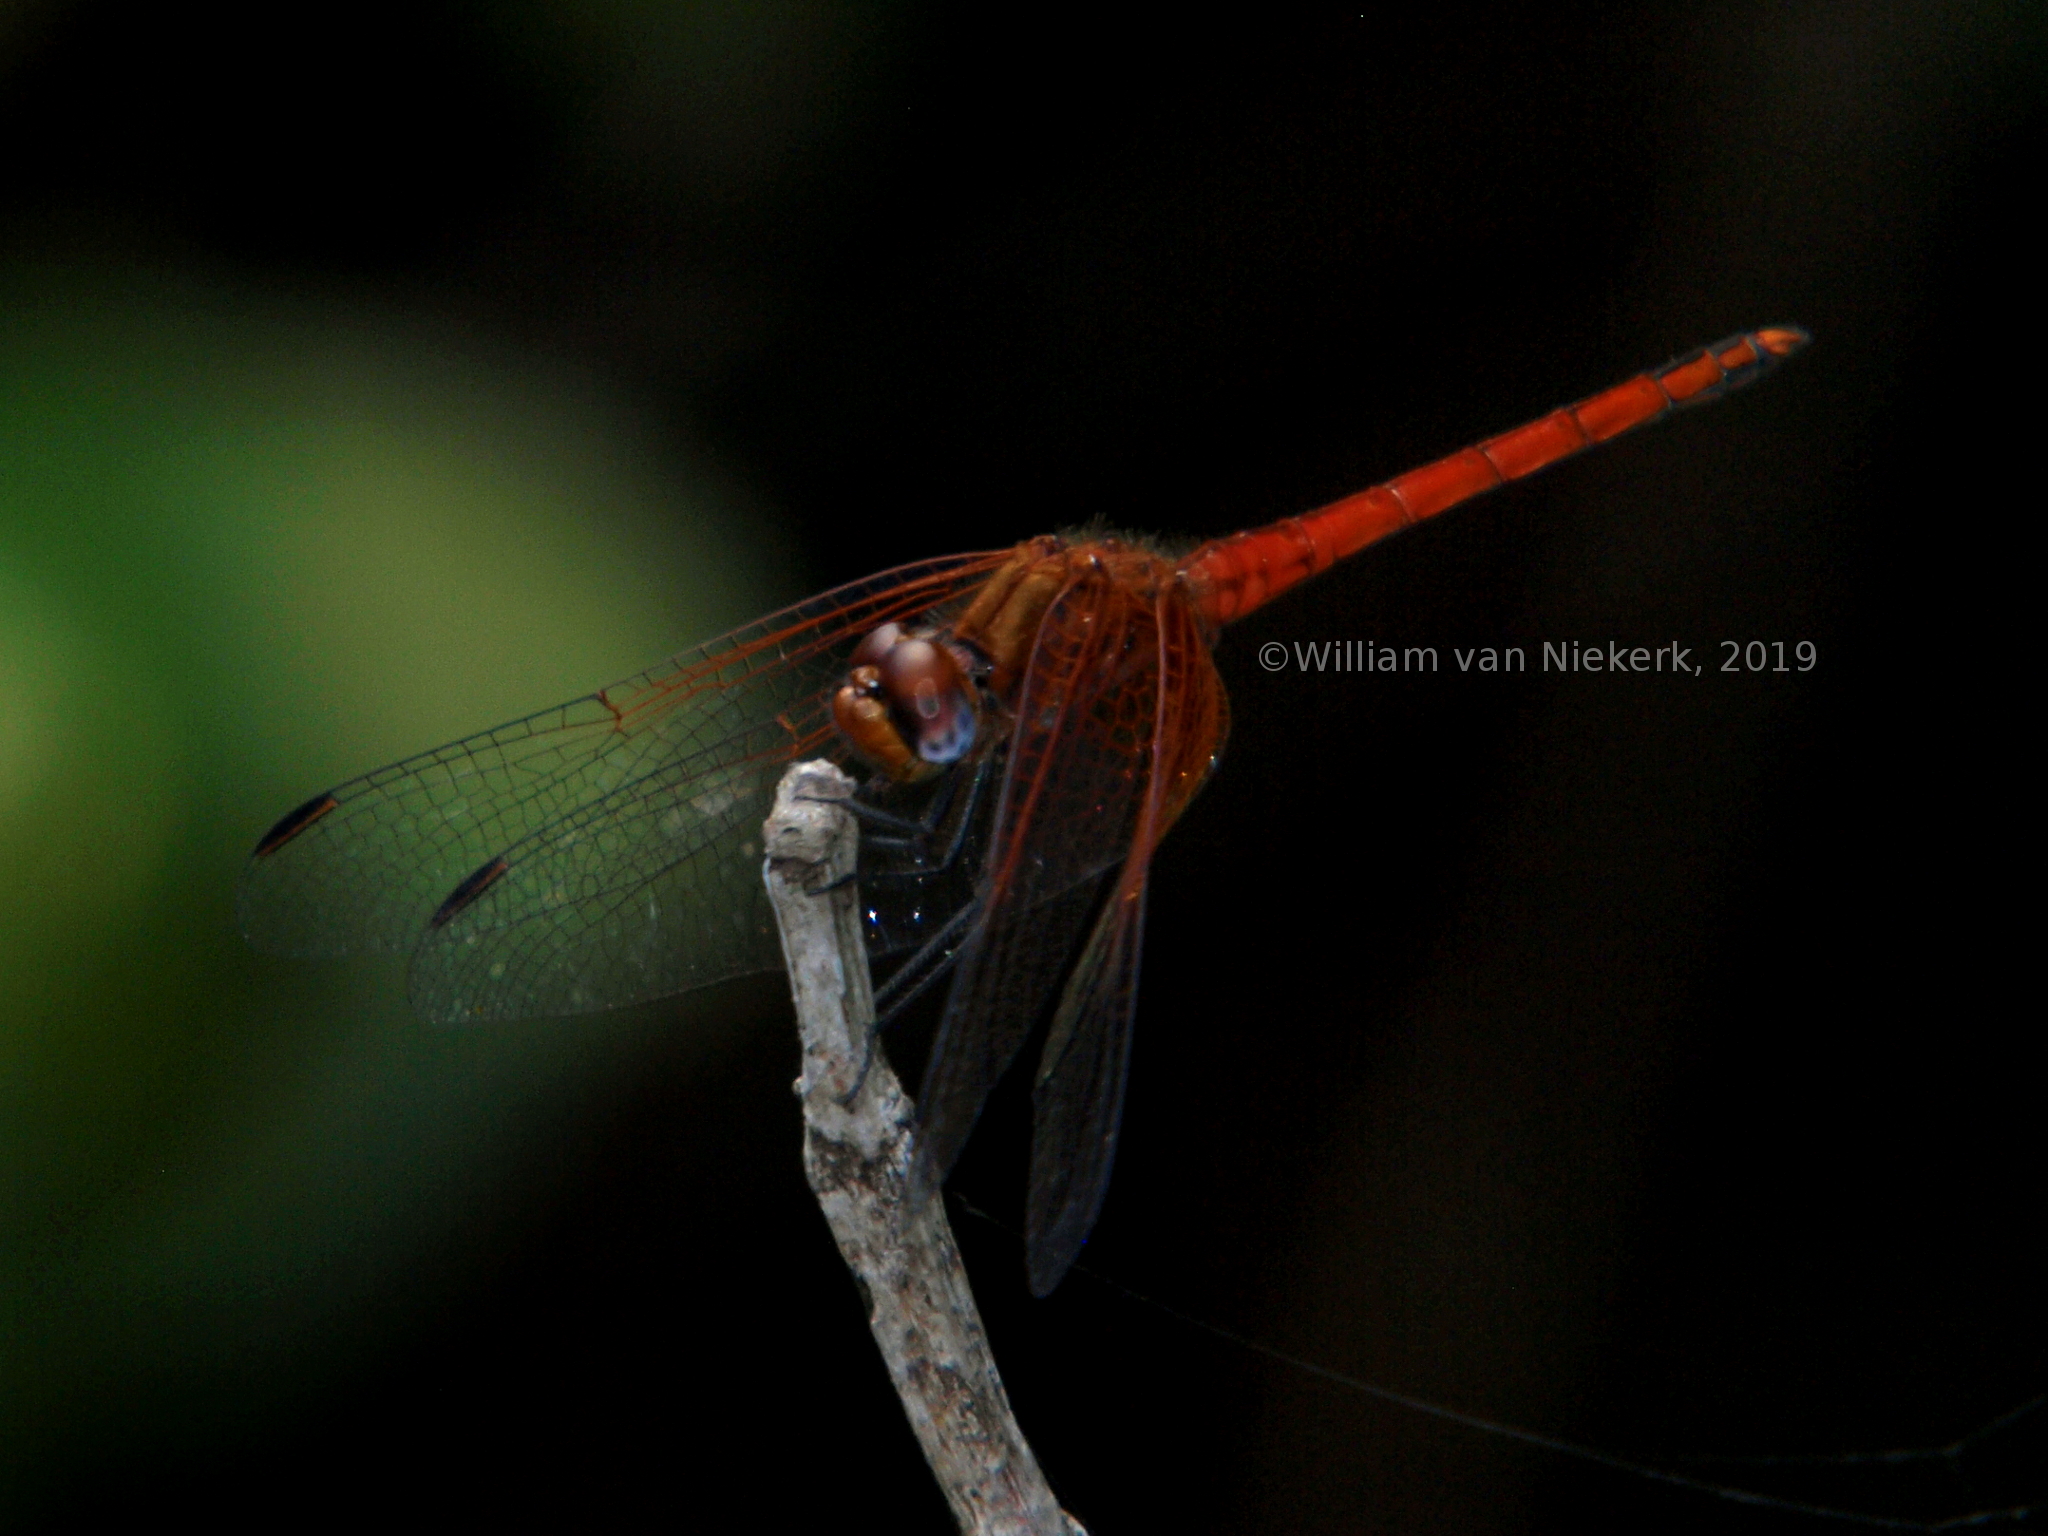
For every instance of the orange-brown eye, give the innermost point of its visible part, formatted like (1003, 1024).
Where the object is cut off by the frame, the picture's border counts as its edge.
(932, 698)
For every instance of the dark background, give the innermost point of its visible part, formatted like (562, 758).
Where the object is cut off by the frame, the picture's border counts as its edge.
(1641, 1060)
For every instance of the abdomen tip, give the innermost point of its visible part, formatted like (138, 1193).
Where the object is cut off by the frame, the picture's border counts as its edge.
(1783, 340)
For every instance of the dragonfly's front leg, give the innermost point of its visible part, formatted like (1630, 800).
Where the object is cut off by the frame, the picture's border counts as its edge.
(912, 837)
(931, 960)
(882, 829)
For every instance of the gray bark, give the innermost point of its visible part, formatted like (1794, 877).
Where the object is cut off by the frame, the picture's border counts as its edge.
(858, 1128)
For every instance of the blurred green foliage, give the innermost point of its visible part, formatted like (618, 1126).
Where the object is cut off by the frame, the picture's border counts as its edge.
(247, 550)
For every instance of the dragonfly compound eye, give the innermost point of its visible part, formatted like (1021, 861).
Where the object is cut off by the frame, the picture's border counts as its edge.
(875, 644)
(933, 701)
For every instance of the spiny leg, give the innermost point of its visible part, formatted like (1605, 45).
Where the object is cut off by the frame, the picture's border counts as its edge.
(931, 960)
(912, 837)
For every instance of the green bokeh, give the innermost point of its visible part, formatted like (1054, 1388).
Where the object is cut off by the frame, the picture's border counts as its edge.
(244, 552)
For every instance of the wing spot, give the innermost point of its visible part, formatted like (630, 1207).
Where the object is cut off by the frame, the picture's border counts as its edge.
(293, 823)
(466, 894)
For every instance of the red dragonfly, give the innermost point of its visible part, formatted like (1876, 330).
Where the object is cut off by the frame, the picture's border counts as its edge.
(1026, 724)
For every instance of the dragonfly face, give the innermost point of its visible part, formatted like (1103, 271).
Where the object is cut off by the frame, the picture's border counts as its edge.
(908, 705)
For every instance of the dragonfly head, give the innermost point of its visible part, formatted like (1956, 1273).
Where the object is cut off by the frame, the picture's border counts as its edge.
(908, 704)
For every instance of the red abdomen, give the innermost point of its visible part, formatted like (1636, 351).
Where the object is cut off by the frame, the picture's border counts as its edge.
(1230, 577)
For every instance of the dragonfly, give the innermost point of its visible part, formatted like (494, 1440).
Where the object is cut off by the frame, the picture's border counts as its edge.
(1024, 725)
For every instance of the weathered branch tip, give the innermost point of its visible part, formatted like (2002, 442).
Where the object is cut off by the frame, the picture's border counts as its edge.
(858, 1129)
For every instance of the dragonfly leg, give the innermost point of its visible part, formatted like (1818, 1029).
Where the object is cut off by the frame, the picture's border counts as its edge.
(931, 960)
(915, 842)
(906, 829)
(909, 833)
(977, 786)
(867, 1061)
(909, 980)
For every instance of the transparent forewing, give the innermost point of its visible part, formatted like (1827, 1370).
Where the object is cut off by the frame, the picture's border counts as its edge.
(1078, 761)
(652, 890)
(1078, 1095)
(608, 796)
(1077, 1100)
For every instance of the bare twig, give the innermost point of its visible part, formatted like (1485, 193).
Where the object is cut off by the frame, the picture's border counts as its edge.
(857, 1153)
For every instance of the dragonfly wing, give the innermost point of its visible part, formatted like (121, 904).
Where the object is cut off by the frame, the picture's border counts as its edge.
(652, 890)
(1077, 1101)
(373, 864)
(363, 866)
(1078, 1095)
(1076, 771)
